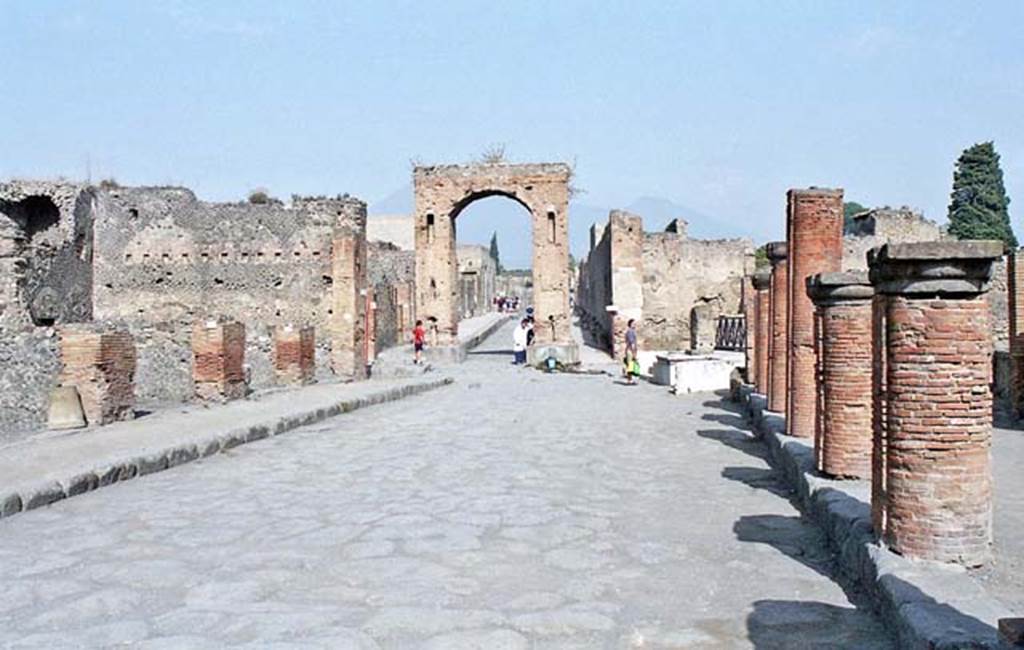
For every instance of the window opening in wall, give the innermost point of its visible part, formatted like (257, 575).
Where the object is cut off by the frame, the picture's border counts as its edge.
(40, 214)
(133, 213)
(551, 227)
(430, 228)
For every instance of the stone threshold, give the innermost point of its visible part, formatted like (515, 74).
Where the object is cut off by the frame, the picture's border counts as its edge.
(928, 604)
(38, 472)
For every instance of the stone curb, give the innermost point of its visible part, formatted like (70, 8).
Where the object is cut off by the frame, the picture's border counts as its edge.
(956, 614)
(107, 471)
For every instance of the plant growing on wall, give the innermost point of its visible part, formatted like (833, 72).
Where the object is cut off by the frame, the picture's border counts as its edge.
(978, 207)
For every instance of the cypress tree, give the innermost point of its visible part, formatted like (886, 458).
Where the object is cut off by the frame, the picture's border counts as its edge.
(978, 204)
(494, 251)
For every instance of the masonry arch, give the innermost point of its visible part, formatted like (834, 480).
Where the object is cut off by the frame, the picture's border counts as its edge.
(443, 192)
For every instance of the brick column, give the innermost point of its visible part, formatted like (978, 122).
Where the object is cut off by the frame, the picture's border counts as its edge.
(1015, 295)
(100, 363)
(294, 354)
(778, 329)
(762, 282)
(842, 436)
(814, 234)
(938, 419)
(748, 298)
(347, 322)
(218, 353)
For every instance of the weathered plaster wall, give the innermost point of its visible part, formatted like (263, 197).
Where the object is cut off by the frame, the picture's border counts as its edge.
(391, 273)
(664, 280)
(682, 275)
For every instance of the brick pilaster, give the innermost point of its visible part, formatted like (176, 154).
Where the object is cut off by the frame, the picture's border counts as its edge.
(100, 363)
(842, 436)
(218, 356)
(938, 416)
(1015, 295)
(814, 234)
(748, 298)
(294, 354)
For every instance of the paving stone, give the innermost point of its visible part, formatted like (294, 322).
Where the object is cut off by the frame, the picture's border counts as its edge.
(536, 511)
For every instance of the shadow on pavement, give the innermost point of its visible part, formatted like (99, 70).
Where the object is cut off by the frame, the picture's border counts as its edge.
(809, 624)
(738, 440)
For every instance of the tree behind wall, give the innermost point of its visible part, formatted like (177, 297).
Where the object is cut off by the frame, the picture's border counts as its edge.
(850, 208)
(978, 204)
(495, 255)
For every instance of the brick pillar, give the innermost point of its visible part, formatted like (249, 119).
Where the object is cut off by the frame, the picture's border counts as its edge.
(294, 354)
(762, 282)
(938, 418)
(748, 298)
(1015, 294)
(842, 436)
(347, 322)
(100, 363)
(778, 329)
(218, 352)
(814, 234)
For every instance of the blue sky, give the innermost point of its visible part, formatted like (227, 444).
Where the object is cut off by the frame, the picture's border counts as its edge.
(716, 106)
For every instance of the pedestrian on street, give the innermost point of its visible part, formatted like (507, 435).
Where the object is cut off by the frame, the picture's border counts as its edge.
(419, 337)
(519, 342)
(631, 364)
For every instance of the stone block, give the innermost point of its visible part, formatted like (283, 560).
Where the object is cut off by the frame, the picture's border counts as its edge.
(65, 409)
(99, 362)
(294, 354)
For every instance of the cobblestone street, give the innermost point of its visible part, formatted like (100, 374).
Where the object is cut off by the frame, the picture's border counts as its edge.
(512, 509)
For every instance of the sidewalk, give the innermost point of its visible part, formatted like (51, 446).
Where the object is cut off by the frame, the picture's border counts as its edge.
(49, 467)
(929, 604)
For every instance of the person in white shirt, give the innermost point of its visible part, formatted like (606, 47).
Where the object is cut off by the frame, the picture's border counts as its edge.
(519, 340)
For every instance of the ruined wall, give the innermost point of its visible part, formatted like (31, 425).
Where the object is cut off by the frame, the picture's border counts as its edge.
(878, 226)
(46, 249)
(391, 272)
(594, 290)
(682, 275)
(477, 272)
(164, 260)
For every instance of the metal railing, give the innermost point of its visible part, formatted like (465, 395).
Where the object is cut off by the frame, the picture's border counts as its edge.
(731, 333)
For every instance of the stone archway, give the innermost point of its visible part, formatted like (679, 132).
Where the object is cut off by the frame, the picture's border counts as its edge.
(442, 192)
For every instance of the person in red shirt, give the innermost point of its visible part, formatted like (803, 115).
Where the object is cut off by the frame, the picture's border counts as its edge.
(419, 336)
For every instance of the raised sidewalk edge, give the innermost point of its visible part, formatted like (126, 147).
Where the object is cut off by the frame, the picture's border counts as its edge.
(223, 432)
(930, 605)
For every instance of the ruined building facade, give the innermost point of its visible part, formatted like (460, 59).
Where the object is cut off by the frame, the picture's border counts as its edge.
(156, 261)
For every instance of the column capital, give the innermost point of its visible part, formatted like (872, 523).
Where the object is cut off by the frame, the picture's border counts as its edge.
(777, 251)
(940, 268)
(761, 280)
(834, 288)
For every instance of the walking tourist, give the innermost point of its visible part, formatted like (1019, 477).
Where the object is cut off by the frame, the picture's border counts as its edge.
(520, 341)
(631, 364)
(419, 336)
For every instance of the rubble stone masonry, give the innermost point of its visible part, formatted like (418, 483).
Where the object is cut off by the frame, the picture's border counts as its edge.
(842, 436)
(938, 414)
(814, 234)
(778, 313)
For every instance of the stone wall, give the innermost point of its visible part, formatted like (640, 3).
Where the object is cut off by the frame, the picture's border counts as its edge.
(878, 226)
(46, 250)
(29, 367)
(477, 272)
(682, 275)
(391, 272)
(664, 280)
